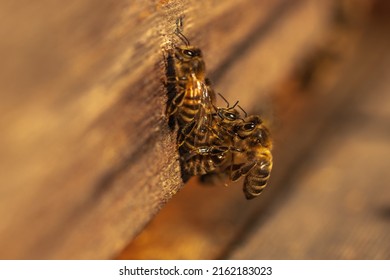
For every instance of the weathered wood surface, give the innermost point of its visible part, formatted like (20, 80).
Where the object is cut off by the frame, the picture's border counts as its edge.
(86, 155)
(305, 212)
(203, 223)
(87, 158)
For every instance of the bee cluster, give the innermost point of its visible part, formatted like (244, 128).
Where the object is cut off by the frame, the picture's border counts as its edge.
(211, 139)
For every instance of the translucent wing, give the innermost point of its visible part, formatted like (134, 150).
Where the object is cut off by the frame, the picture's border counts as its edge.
(204, 119)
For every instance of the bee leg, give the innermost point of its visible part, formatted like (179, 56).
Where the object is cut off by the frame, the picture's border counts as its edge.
(216, 134)
(233, 169)
(184, 132)
(218, 151)
(179, 98)
(231, 166)
(241, 171)
(181, 138)
(176, 102)
(215, 150)
(171, 109)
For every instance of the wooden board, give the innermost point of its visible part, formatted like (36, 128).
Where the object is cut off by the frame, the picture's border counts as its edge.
(269, 78)
(87, 158)
(306, 212)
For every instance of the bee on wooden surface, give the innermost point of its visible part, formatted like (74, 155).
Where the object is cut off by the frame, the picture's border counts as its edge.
(248, 152)
(252, 157)
(211, 139)
(192, 92)
(209, 146)
(192, 106)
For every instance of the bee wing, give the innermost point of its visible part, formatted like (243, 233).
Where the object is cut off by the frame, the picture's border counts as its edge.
(204, 118)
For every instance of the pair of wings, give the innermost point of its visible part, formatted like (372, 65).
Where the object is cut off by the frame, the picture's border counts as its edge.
(203, 127)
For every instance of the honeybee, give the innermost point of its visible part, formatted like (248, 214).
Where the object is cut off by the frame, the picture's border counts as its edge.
(215, 139)
(252, 155)
(205, 154)
(191, 89)
(247, 152)
(192, 106)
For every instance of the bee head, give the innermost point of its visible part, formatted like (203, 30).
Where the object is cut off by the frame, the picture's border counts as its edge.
(254, 131)
(190, 59)
(228, 115)
(246, 128)
(187, 53)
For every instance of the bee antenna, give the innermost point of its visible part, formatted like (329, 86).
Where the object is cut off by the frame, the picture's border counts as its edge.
(179, 28)
(227, 102)
(235, 104)
(246, 115)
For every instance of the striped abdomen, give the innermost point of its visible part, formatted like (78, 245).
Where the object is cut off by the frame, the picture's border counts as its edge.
(257, 178)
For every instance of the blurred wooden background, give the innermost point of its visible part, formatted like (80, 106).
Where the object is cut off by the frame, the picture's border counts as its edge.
(87, 159)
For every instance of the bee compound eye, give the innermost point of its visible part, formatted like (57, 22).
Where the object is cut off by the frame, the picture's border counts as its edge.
(230, 116)
(249, 126)
(189, 53)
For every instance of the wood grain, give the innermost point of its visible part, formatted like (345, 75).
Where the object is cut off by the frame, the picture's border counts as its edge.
(87, 158)
(86, 155)
(204, 223)
(300, 96)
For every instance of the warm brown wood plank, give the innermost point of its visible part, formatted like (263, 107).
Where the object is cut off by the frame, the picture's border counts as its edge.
(87, 158)
(79, 80)
(215, 223)
(202, 223)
